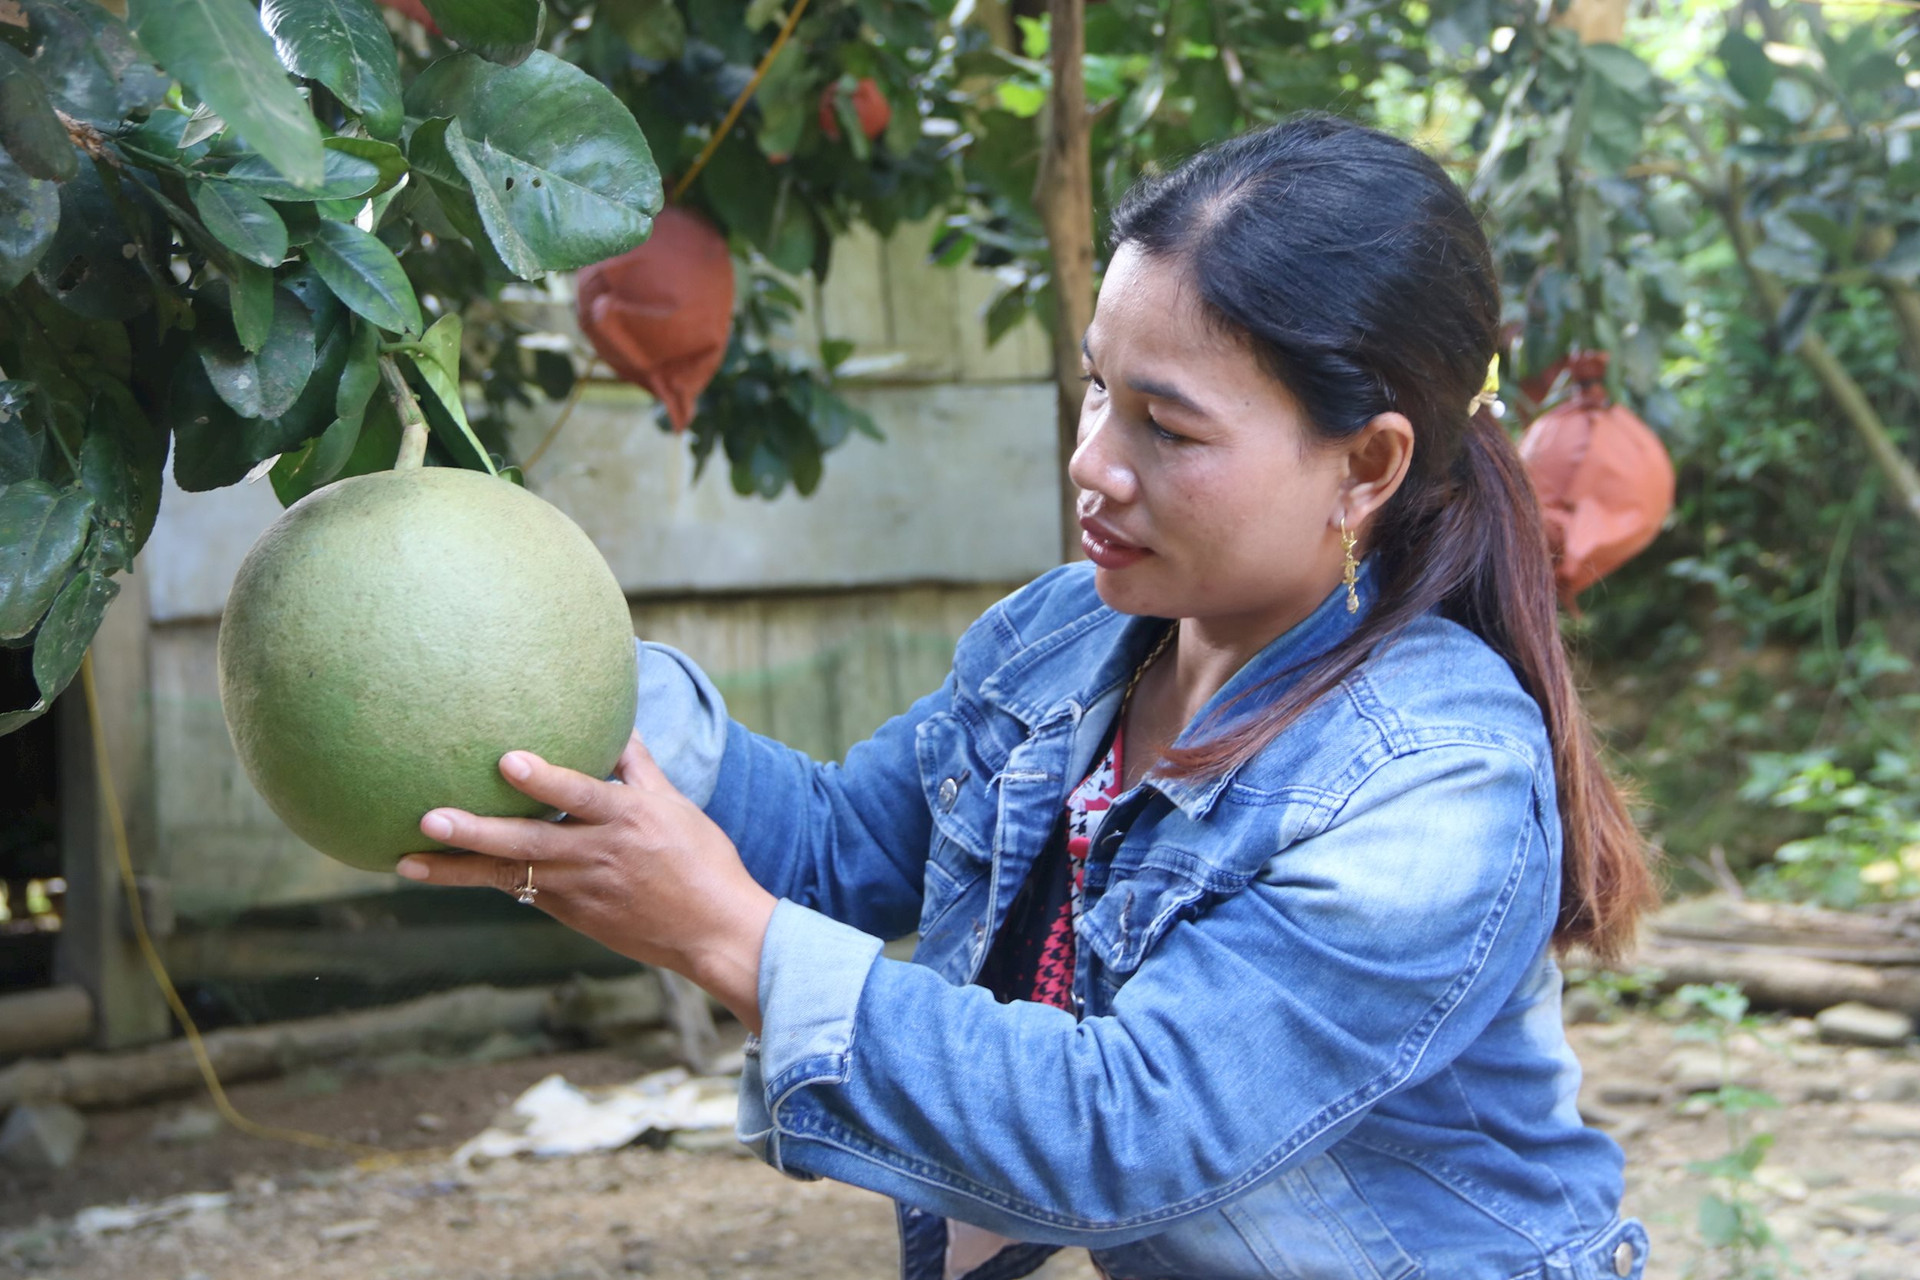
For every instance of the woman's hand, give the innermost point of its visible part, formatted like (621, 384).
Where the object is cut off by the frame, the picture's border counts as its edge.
(637, 867)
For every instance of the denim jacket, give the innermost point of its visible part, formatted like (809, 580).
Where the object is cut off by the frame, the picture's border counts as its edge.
(1318, 1032)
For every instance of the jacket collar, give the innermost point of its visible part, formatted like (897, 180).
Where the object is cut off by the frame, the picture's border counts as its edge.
(1062, 674)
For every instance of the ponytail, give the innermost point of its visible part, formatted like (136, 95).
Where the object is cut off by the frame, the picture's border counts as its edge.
(1358, 273)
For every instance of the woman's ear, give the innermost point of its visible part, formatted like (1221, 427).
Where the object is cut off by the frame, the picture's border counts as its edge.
(1378, 456)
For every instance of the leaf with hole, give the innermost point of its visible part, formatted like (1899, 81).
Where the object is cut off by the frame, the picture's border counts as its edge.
(42, 532)
(92, 266)
(558, 170)
(219, 50)
(345, 46)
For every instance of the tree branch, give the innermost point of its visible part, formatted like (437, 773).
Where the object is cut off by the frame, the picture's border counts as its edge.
(1818, 357)
(1064, 197)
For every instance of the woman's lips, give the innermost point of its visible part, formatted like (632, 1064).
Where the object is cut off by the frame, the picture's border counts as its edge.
(1106, 548)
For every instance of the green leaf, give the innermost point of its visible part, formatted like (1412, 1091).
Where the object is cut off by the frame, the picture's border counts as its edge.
(242, 221)
(21, 449)
(158, 141)
(251, 295)
(92, 267)
(554, 374)
(1143, 101)
(107, 474)
(503, 31)
(1719, 1222)
(559, 172)
(143, 455)
(29, 130)
(385, 157)
(29, 217)
(345, 46)
(69, 629)
(344, 176)
(1007, 309)
(439, 363)
(209, 439)
(42, 532)
(263, 383)
(309, 415)
(299, 473)
(1620, 66)
(364, 274)
(655, 30)
(91, 67)
(361, 373)
(1749, 70)
(428, 152)
(219, 50)
(792, 236)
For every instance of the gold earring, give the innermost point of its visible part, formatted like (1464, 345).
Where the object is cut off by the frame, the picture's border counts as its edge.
(1350, 571)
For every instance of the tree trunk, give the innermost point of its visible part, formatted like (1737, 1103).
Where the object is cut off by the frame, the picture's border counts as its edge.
(1064, 197)
(444, 1023)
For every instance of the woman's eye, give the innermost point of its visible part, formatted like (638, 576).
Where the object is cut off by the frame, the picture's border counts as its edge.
(1094, 381)
(1161, 434)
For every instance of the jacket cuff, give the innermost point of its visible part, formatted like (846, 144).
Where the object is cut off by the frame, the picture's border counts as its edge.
(681, 718)
(812, 973)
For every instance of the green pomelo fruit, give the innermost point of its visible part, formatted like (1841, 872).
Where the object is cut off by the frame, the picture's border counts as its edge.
(392, 635)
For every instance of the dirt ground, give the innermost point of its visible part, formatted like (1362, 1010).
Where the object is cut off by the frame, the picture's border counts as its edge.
(1840, 1187)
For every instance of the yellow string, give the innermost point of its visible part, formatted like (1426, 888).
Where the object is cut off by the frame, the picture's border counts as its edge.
(368, 1157)
(739, 103)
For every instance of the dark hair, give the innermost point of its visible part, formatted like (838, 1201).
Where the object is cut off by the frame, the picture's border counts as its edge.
(1355, 269)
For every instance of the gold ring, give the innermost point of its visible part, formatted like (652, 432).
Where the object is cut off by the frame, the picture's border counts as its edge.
(526, 893)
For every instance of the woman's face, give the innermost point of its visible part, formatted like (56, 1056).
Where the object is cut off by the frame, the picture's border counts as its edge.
(1203, 493)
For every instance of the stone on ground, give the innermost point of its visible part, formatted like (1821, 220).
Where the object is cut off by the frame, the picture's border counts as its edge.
(1855, 1023)
(42, 1137)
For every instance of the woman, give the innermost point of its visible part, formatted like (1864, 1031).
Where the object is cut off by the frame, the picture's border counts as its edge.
(1238, 857)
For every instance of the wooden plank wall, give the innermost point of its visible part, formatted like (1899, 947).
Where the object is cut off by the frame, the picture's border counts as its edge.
(814, 665)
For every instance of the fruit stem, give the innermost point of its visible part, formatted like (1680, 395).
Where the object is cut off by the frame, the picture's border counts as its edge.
(413, 423)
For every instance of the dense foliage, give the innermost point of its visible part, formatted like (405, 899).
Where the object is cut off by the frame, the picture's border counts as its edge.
(1726, 196)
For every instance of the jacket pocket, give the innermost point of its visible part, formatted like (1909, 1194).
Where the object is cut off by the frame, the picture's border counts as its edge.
(1313, 1221)
(953, 779)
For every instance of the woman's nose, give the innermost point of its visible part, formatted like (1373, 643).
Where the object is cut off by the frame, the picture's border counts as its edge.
(1099, 465)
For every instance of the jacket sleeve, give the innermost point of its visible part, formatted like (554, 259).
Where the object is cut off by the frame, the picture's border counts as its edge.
(1357, 963)
(849, 841)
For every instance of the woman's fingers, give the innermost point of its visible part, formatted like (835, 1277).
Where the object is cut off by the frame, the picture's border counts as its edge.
(571, 792)
(467, 870)
(637, 768)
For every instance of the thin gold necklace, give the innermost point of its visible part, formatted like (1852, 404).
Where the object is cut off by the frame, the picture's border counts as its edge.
(1160, 647)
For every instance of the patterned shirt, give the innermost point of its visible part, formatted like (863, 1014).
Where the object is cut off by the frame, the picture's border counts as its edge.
(1033, 958)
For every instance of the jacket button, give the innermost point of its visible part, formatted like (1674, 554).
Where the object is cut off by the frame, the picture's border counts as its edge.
(949, 792)
(1623, 1258)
